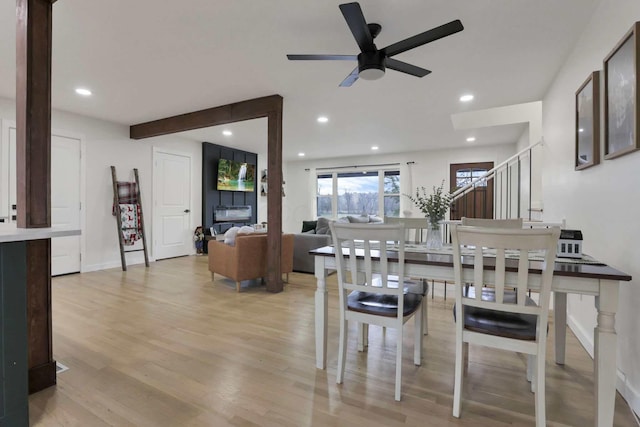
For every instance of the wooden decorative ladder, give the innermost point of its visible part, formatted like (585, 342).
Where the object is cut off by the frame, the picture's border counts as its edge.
(141, 230)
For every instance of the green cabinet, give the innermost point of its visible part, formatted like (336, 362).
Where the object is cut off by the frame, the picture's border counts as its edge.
(14, 403)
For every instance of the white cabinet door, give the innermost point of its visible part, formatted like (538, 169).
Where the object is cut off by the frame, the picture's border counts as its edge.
(172, 234)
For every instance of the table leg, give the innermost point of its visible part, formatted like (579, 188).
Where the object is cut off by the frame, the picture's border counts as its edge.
(560, 325)
(605, 346)
(321, 313)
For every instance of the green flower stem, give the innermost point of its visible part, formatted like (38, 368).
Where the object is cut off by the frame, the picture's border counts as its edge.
(434, 206)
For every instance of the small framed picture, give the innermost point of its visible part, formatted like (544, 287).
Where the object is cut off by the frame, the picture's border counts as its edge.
(588, 123)
(621, 96)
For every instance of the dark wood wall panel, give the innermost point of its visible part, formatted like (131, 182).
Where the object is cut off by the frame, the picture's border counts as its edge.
(211, 197)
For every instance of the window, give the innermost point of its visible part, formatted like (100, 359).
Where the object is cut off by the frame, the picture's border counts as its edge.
(465, 176)
(325, 195)
(355, 193)
(392, 193)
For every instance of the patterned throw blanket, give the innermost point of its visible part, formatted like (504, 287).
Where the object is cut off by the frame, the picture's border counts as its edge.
(130, 220)
(448, 250)
(127, 194)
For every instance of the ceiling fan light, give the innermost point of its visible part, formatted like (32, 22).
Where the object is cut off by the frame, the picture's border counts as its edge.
(372, 73)
(371, 65)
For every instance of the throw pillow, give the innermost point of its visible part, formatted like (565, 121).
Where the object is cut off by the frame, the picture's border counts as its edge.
(246, 229)
(309, 225)
(323, 226)
(374, 218)
(358, 219)
(230, 236)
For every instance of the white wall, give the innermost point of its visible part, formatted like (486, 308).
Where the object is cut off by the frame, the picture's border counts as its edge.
(109, 144)
(602, 201)
(429, 169)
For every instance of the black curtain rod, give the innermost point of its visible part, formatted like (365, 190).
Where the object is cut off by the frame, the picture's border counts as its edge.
(356, 166)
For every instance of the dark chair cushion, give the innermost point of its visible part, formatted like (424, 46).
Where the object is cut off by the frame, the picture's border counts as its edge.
(499, 323)
(308, 225)
(382, 305)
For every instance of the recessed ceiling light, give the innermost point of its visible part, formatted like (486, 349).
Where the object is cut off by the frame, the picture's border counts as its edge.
(300, 154)
(466, 98)
(375, 147)
(471, 139)
(323, 119)
(227, 133)
(580, 130)
(82, 91)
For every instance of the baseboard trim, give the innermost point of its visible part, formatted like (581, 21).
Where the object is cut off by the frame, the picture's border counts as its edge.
(630, 394)
(114, 264)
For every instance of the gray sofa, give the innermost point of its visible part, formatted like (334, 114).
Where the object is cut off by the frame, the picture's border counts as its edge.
(316, 234)
(302, 244)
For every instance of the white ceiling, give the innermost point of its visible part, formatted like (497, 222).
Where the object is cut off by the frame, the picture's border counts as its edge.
(149, 59)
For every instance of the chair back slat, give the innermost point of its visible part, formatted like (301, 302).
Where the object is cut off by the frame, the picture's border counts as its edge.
(478, 271)
(523, 276)
(500, 272)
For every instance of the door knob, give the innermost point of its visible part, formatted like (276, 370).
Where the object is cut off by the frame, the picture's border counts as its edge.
(187, 211)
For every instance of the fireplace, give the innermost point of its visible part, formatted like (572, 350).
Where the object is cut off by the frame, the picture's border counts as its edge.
(231, 214)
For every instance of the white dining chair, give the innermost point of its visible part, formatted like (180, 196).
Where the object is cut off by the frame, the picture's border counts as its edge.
(499, 317)
(374, 297)
(492, 223)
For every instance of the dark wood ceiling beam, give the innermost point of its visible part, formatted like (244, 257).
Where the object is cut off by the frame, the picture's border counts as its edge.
(230, 113)
(269, 107)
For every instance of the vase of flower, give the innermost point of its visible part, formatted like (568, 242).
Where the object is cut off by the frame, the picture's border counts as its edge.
(434, 206)
(434, 236)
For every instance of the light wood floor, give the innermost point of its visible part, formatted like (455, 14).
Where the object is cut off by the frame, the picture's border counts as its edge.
(165, 346)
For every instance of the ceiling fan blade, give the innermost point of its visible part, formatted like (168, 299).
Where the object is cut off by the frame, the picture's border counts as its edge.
(322, 57)
(424, 38)
(350, 79)
(358, 26)
(403, 67)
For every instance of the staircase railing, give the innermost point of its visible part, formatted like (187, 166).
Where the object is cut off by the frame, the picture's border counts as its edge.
(512, 180)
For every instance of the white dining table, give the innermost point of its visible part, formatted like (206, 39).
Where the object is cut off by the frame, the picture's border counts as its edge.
(601, 281)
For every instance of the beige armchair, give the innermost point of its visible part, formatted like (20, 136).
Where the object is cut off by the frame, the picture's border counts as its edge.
(248, 258)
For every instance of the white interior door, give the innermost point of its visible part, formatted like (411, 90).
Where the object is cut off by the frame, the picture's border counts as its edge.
(65, 198)
(65, 203)
(172, 234)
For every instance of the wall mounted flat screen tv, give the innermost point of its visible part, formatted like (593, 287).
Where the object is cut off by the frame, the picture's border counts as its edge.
(235, 176)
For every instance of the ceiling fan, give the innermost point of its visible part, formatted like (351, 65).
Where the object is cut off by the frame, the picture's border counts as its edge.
(372, 61)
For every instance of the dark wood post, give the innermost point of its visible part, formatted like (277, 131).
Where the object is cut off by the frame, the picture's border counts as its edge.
(274, 200)
(33, 167)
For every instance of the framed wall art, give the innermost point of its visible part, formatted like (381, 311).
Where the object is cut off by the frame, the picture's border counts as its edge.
(621, 96)
(588, 123)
